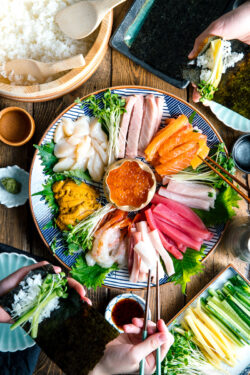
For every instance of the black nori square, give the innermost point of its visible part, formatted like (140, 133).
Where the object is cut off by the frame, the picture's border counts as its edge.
(74, 336)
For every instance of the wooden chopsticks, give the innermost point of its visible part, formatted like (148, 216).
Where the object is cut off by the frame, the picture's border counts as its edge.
(225, 179)
(145, 325)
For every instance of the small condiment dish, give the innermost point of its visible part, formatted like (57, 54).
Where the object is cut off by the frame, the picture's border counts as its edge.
(17, 126)
(241, 153)
(113, 303)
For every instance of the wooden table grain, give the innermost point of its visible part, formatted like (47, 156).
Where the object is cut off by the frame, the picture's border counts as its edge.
(17, 226)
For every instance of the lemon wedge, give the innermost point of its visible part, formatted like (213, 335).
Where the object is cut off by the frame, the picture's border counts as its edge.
(216, 51)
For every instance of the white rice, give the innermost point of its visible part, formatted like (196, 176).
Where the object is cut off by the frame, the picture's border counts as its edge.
(28, 30)
(28, 294)
(229, 59)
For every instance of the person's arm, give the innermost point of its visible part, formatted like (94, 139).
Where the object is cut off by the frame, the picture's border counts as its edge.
(123, 355)
(14, 279)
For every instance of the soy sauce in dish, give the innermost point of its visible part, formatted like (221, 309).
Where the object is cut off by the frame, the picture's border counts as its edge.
(125, 310)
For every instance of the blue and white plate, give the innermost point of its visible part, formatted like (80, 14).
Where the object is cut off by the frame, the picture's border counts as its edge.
(230, 118)
(11, 341)
(242, 366)
(173, 107)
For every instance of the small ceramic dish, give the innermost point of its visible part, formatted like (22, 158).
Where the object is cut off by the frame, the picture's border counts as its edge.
(17, 126)
(120, 297)
(144, 167)
(14, 200)
(241, 153)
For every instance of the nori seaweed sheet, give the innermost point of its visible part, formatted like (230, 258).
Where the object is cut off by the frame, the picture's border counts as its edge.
(74, 336)
(169, 31)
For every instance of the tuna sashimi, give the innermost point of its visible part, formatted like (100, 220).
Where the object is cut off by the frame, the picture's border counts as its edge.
(160, 103)
(149, 122)
(177, 151)
(181, 209)
(181, 222)
(163, 134)
(130, 101)
(188, 201)
(177, 164)
(191, 189)
(156, 242)
(168, 245)
(177, 235)
(135, 128)
(174, 140)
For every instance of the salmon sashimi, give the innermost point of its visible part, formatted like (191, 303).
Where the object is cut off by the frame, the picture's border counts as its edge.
(175, 140)
(177, 151)
(163, 135)
(176, 165)
(193, 136)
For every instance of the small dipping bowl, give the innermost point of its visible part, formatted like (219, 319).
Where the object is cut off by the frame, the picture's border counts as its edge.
(126, 304)
(241, 153)
(17, 126)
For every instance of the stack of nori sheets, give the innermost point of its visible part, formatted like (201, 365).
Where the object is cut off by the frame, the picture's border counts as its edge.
(74, 336)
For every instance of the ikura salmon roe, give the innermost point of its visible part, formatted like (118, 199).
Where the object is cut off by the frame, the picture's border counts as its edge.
(129, 184)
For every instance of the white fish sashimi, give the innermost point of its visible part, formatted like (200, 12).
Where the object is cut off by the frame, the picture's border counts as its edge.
(156, 242)
(97, 132)
(63, 149)
(73, 140)
(59, 134)
(100, 151)
(190, 189)
(83, 148)
(63, 164)
(104, 145)
(145, 251)
(68, 126)
(97, 168)
(188, 201)
(81, 126)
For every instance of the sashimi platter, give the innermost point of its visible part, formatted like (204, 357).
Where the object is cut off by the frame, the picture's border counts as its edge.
(118, 182)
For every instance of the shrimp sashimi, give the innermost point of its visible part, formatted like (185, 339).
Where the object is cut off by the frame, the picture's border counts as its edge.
(178, 164)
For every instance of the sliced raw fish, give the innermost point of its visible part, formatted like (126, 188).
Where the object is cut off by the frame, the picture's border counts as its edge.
(59, 134)
(184, 199)
(149, 122)
(97, 132)
(74, 140)
(174, 140)
(160, 103)
(135, 128)
(63, 149)
(68, 126)
(147, 255)
(177, 151)
(191, 189)
(83, 148)
(135, 269)
(63, 164)
(80, 164)
(96, 168)
(100, 151)
(130, 101)
(156, 242)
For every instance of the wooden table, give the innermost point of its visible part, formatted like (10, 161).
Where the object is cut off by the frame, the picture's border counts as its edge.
(17, 226)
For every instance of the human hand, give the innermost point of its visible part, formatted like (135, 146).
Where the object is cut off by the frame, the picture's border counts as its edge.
(123, 355)
(15, 278)
(232, 25)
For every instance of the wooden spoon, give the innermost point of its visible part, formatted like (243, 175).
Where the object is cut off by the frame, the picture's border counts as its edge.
(81, 19)
(40, 70)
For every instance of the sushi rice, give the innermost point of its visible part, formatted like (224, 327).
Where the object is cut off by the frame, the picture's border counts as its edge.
(26, 298)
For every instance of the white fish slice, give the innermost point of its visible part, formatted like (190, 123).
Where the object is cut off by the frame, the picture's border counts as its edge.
(97, 132)
(100, 151)
(68, 126)
(81, 126)
(80, 164)
(63, 149)
(74, 140)
(64, 164)
(59, 134)
(83, 148)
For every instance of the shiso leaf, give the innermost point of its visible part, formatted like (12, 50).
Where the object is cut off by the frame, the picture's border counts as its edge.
(46, 153)
(90, 276)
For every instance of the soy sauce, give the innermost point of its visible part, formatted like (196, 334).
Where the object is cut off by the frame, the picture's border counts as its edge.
(125, 310)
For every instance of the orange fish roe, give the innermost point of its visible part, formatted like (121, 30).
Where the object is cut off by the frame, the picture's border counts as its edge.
(129, 184)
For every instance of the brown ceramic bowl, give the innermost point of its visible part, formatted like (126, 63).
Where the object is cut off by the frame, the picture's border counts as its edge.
(17, 126)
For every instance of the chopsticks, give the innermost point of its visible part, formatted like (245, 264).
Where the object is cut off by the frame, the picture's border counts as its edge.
(225, 179)
(145, 325)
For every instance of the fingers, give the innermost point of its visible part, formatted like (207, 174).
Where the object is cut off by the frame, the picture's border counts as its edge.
(146, 347)
(79, 289)
(137, 325)
(196, 96)
(166, 346)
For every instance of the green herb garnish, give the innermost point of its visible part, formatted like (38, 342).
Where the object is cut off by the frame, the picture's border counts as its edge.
(191, 117)
(206, 91)
(46, 153)
(90, 276)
